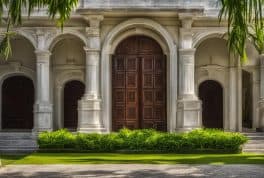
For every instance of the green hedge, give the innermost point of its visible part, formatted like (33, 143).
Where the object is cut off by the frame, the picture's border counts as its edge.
(147, 140)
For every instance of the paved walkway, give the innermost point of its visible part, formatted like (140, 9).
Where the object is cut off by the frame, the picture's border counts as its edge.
(132, 171)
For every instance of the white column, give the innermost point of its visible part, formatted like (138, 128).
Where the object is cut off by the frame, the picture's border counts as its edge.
(261, 102)
(92, 73)
(89, 107)
(235, 95)
(43, 106)
(189, 106)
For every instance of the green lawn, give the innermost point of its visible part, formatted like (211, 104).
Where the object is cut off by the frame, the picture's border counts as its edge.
(118, 158)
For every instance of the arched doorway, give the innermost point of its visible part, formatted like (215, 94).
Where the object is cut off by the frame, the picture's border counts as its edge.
(73, 91)
(139, 85)
(211, 94)
(17, 103)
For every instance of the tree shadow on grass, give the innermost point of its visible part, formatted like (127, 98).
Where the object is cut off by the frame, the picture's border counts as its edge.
(9, 159)
(225, 159)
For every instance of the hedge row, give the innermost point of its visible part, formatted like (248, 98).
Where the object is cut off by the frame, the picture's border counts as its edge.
(147, 140)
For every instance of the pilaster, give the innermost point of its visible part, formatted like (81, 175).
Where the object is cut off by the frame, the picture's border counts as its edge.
(43, 106)
(89, 107)
(261, 101)
(189, 106)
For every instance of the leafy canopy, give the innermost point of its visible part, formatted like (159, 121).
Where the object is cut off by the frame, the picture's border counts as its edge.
(245, 21)
(59, 9)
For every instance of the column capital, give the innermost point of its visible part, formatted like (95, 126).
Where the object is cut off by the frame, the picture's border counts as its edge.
(188, 51)
(43, 56)
(40, 52)
(94, 20)
(186, 20)
(91, 50)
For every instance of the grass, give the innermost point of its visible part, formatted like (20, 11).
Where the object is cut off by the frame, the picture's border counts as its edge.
(119, 158)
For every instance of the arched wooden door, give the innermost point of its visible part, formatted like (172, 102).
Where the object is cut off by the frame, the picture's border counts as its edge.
(139, 85)
(73, 91)
(17, 103)
(211, 94)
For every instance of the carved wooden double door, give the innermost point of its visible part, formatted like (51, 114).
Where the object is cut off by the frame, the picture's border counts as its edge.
(139, 85)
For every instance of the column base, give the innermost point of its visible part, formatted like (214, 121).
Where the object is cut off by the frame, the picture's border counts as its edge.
(260, 129)
(188, 115)
(89, 116)
(43, 117)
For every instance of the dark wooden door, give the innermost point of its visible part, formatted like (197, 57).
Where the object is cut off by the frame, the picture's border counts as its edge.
(17, 103)
(73, 91)
(139, 85)
(211, 94)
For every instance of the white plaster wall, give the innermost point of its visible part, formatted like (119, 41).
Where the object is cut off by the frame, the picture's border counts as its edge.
(22, 53)
(212, 51)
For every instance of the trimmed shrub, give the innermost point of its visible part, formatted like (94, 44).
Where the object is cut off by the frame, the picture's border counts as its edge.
(59, 139)
(146, 140)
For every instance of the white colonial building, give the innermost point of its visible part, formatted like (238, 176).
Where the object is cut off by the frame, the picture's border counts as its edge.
(160, 64)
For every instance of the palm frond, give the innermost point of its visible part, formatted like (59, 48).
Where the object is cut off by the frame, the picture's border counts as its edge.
(241, 15)
(55, 8)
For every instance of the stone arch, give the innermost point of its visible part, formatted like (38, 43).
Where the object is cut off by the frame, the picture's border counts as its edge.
(141, 26)
(23, 54)
(143, 32)
(213, 78)
(28, 36)
(51, 42)
(22, 72)
(201, 37)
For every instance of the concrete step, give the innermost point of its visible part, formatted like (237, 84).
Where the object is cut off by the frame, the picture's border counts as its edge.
(255, 143)
(254, 150)
(17, 151)
(18, 142)
(253, 133)
(255, 136)
(15, 136)
(254, 146)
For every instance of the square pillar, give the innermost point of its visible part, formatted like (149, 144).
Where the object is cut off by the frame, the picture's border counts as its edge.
(189, 106)
(89, 107)
(43, 107)
(261, 100)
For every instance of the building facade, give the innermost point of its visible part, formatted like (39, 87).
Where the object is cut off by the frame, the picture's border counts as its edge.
(143, 64)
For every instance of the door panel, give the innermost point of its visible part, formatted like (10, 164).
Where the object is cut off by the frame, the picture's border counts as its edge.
(139, 85)
(153, 89)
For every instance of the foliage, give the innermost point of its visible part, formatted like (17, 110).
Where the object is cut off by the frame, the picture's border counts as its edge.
(146, 140)
(245, 21)
(56, 9)
(58, 140)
